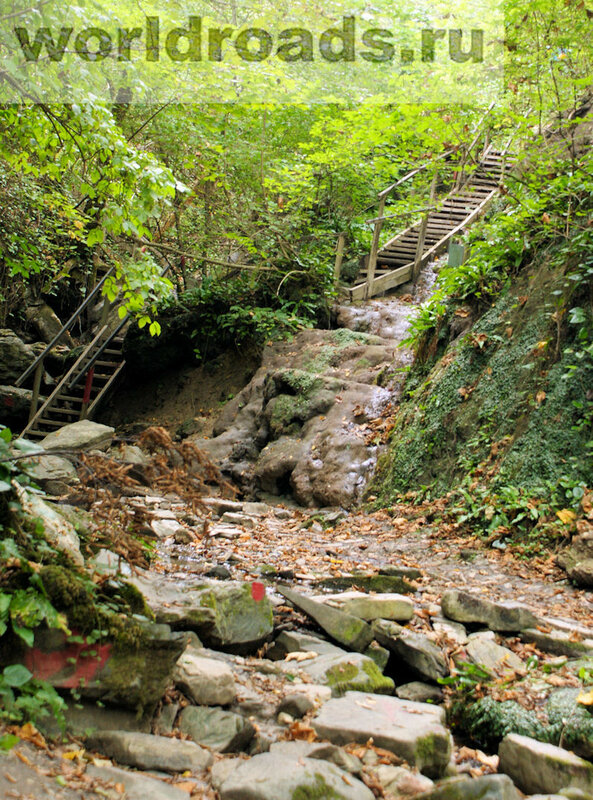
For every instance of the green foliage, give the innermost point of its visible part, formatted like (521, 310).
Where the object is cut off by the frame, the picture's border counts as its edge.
(23, 698)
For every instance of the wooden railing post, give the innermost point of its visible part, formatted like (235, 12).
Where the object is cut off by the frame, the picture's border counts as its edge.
(339, 257)
(422, 231)
(372, 266)
(36, 388)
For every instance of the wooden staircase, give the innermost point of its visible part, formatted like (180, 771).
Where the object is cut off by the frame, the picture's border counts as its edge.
(80, 390)
(399, 260)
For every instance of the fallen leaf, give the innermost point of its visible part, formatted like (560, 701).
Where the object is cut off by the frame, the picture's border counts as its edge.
(585, 698)
(566, 516)
(540, 397)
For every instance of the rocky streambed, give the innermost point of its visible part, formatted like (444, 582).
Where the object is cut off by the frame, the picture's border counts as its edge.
(297, 654)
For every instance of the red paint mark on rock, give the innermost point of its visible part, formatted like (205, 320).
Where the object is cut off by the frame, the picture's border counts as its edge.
(70, 666)
(258, 590)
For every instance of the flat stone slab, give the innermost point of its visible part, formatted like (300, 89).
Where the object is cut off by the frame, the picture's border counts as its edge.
(145, 751)
(493, 657)
(486, 787)
(137, 786)
(371, 583)
(343, 673)
(207, 681)
(273, 776)
(372, 606)
(413, 731)
(537, 767)
(558, 642)
(350, 631)
(465, 607)
(220, 730)
(81, 435)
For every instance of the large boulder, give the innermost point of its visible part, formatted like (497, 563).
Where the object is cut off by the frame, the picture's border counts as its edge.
(413, 731)
(271, 776)
(224, 615)
(132, 669)
(81, 435)
(466, 607)
(537, 767)
(15, 356)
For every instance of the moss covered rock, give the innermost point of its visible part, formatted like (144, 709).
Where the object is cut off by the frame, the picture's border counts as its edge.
(345, 673)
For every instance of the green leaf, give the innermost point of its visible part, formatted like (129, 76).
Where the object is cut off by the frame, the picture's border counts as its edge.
(95, 236)
(16, 675)
(5, 486)
(26, 634)
(8, 741)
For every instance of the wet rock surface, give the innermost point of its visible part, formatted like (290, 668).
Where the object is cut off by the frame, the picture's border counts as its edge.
(308, 429)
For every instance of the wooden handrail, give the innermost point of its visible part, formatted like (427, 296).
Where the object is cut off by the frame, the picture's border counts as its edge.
(64, 329)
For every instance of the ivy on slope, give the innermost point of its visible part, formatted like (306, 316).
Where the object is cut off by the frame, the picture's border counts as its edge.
(499, 412)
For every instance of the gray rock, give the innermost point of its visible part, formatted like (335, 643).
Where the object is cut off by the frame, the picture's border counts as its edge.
(15, 356)
(344, 628)
(380, 655)
(165, 527)
(134, 678)
(415, 649)
(148, 752)
(493, 657)
(233, 518)
(543, 768)
(276, 463)
(183, 536)
(382, 584)
(413, 731)
(15, 403)
(401, 782)
(219, 505)
(372, 606)
(165, 719)
(60, 533)
(558, 642)
(465, 607)
(220, 730)
(223, 614)
(272, 776)
(52, 473)
(105, 562)
(137, 786)
(419, 692)
(452, 630)
(296, 641)
(486, 787)
(84, 718)
(206, 681)
(81, 435)
(343, 673)
(221, 770)
(296, 704)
